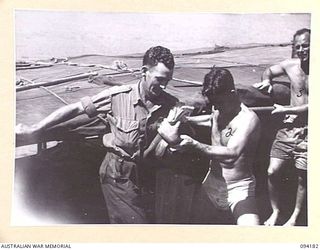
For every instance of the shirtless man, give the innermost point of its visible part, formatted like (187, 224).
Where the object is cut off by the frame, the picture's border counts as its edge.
(291, 139)
(235, 131)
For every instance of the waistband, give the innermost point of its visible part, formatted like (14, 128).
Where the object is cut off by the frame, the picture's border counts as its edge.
(124, 155)
(297, 122)
(251, 178)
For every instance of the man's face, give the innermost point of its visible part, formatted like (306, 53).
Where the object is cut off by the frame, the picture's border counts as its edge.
(302, 46)
(157, 78)
(220, 101)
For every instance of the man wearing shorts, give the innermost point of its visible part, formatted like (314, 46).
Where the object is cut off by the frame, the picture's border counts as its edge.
(235, 132)
(291, 139)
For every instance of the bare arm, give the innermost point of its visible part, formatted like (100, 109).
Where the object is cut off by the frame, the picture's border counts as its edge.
(200, 120)
(290, 110)
(97, 103)
(60, 115)
(274, 71)
(234, 148)
(269, 74)
(215, 133)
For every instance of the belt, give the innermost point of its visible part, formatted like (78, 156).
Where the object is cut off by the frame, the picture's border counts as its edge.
(294, 125)
(124, 155)
(116, 180)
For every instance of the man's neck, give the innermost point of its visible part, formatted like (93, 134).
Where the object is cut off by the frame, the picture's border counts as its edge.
(305, 66)
(144, 98)
(142, 91)
(227, 115)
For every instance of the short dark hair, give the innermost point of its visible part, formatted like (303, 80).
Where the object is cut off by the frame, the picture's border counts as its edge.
(300, 32)
(157, 54)
(217, 81)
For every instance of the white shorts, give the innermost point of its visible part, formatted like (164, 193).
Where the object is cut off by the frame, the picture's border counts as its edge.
(240, 190)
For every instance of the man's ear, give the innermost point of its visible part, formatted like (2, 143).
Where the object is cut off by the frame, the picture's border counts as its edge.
(144, 70)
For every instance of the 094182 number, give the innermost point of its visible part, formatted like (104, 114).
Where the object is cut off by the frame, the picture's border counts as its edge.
(313, 246)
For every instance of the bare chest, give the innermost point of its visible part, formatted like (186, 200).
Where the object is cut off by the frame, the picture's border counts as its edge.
(299, 87)
(226, 134)
(299, 80)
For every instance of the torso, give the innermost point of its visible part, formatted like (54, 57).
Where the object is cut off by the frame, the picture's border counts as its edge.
(299, 90)
(242, 167)
(299, 83)
(131, 119)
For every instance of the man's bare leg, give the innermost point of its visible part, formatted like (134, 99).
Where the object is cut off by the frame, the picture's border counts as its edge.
(274, 180)
(301, 194)
(246, 213)
(248, 220)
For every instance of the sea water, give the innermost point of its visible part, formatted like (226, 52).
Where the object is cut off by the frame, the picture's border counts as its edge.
(46, 34)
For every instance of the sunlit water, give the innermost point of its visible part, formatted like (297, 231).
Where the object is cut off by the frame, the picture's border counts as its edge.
(45, 34)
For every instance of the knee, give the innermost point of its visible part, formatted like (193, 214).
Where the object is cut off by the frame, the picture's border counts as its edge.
(302, 179)
(248, 220)
(275, 167)
(272, 172)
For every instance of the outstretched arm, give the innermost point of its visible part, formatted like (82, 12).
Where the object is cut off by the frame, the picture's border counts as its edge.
(91, 106)
(279, 109)
(200, 120)
(60, 115)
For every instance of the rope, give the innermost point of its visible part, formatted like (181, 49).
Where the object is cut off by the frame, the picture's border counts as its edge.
(187, 81)
(118, 65)
(54, 94)
(240, 63)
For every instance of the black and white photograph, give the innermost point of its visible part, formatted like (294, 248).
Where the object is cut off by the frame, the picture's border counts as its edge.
(161, 118)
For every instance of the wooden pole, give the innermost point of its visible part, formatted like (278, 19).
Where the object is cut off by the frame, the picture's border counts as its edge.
(57, 81)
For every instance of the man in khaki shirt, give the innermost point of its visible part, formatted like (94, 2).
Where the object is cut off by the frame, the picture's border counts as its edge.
(133, 113)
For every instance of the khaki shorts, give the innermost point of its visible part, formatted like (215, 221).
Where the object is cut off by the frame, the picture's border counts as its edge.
(291, 144)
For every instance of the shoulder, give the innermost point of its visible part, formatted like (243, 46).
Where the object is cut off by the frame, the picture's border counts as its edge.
(166, 99)
(290, 63)
(249, 117)
(120, 89)
(114, 91)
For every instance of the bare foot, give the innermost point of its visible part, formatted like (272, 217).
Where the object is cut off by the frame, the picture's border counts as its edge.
(272, 220)
(290, 223)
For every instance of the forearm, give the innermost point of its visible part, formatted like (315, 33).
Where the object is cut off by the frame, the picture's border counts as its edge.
(296, 110)
(215, 135)
(267, 75)
(201, 120)
(215, 151)
(60, 115)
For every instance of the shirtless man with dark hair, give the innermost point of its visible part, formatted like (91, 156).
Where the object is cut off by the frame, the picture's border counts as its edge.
(291, 139)
(235, 132)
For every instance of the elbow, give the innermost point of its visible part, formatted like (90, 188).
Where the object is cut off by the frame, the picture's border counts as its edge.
(230, 161)
(267, 74)
(74, 109)
(231, 157)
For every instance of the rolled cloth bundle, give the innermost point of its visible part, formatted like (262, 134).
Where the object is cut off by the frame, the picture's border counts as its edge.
(176, 114)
